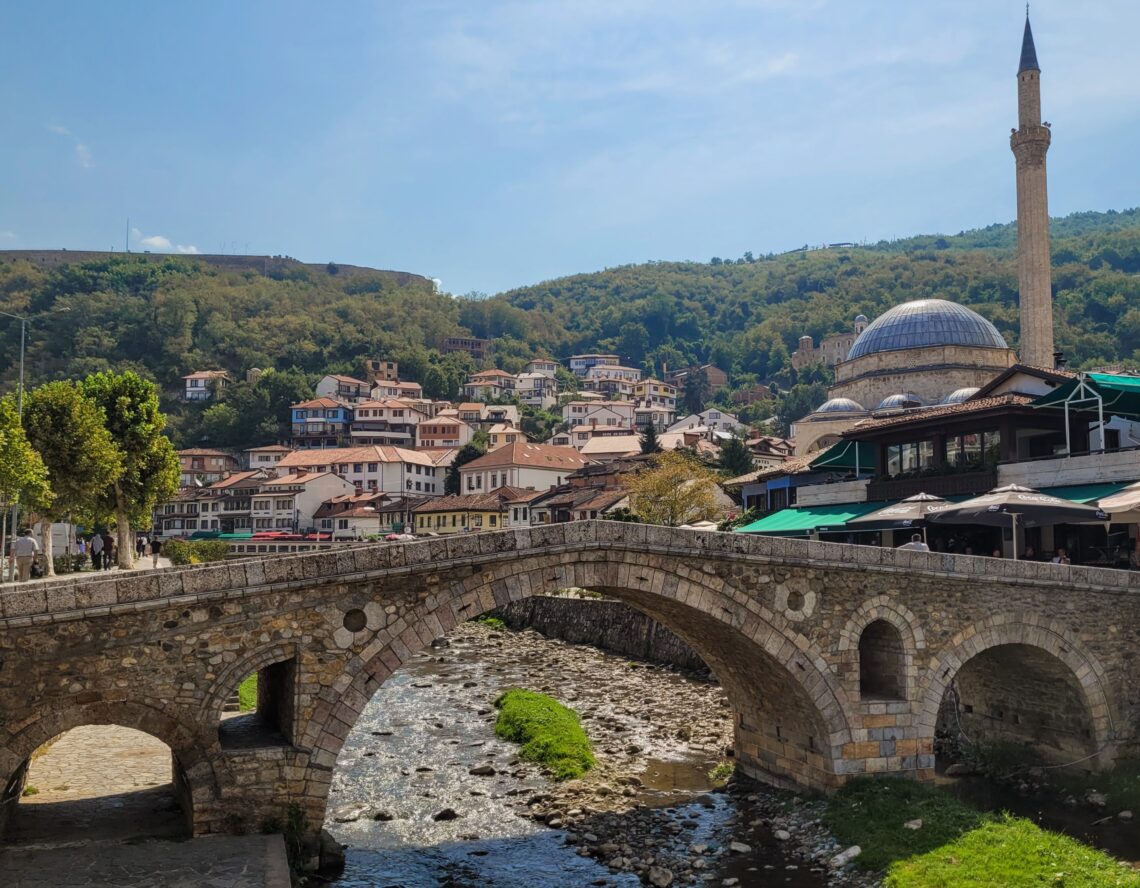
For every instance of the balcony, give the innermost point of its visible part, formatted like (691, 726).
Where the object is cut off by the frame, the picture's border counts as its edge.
(955, 484)
(1082, 468)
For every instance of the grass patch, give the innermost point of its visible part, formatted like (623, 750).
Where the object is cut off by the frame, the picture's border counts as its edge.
(722, 772)
(957, 846)
(30, 790)
(490, 622)
(247, 693)
(550, 733)
(1014, 853)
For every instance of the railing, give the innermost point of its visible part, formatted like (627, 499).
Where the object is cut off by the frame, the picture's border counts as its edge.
(958, 484)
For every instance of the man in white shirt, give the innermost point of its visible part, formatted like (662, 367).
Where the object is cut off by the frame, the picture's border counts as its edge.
(25, 549)
(916, 544)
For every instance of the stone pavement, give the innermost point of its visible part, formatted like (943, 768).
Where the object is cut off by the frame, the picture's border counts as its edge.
(209, 862)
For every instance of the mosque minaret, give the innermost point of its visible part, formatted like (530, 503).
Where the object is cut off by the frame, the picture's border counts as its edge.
(1030, 142)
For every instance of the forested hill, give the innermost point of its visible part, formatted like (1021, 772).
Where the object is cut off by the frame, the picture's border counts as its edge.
(745, 315)
(167, 316)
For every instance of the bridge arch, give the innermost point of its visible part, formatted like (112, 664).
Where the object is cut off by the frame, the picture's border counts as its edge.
(1042, 651)
(197, 783)
(852, 644)
(746, 645)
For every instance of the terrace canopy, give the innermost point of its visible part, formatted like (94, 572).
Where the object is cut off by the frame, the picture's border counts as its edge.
(1099, 392)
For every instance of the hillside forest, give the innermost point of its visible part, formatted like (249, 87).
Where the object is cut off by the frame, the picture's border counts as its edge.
(163, 317)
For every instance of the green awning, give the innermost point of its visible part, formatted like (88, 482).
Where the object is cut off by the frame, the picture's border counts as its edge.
(1087, 493)
(1119, 394)
(850, 455)
(805, 520)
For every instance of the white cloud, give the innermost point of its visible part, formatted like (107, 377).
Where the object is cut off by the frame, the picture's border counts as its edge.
(8, 235)
(162, 244)
(83, 154)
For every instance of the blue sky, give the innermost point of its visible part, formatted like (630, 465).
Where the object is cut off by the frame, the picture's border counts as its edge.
(495, 144)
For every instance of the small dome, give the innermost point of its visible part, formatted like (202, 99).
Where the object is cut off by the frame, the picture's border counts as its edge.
(901, 401)
(923, 323)
(861, 319)
(839, 405)
(960, 395)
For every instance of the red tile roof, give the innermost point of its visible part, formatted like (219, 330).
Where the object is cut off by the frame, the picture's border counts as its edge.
(525, 454)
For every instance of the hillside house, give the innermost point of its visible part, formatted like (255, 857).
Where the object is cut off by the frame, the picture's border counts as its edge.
(265, 457)
(201, 465)
(321, 422)
(346, 389)
(389, 422)
(520, 465)
(581, 364)
(383, 389)
(443, 432)
(202, 385)
(394, 470)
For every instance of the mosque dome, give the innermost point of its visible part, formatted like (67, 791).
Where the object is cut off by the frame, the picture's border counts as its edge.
(861, 319)
(926, 323)
(901, 401)
(839, 405)
(957, 397)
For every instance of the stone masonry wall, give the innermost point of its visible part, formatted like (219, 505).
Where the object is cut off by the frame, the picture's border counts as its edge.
(778, 622)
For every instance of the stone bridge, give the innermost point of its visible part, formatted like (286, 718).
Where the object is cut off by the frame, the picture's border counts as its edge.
(837, 660)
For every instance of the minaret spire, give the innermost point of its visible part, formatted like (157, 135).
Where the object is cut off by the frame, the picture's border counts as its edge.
(1030, 142)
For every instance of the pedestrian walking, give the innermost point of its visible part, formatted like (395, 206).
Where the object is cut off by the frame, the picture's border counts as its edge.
(155, 550)
(916, 544)
(96, 551)
(140, 545)
(25, 549)
(108, 550)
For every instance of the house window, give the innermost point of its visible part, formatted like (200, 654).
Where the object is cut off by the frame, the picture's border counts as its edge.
(494, 520)
(342, 524)
(372, 467)
(358, 467)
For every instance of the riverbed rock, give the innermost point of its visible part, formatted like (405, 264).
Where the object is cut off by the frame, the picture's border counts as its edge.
(483, 771)
(959, 769)
(331, 856)
(660, 877)
(445, 814)
(913, 824)
(781, 834)
(1124, 815)
(843, 858)
(739, 848)
(1096, 799)
(349, 813)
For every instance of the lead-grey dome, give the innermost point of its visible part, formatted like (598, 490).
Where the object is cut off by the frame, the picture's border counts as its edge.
(901, 401)
(959, 395)
(923, 323)
(839, 405)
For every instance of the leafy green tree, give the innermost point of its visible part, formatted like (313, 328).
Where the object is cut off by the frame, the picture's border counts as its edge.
(676, 490)
(466, 454)
(649, 442)
(149, 463)
(67, 429)
(735, 457)
(696, 391)
(23, 475)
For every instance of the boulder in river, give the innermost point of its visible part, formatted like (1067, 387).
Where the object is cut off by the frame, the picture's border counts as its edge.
(659, 877)
(445, 814)
(483, 771)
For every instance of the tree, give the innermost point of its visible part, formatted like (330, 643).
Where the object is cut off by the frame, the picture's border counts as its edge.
(23, 475)
(149, 464)
(649, 442)
(735, 457)
(81, 459)
(466, 454)
(677, 490)
(696, 391)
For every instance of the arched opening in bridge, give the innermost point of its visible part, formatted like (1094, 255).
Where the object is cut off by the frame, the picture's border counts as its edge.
(1020, 702)
(882, 662)
(98, 782)
(261, 709)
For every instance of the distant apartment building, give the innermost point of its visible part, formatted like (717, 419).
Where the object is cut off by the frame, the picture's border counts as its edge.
(537, 390)
(388, 422)
(709, 422)
(489, 384)
(545, 366)
(610, 413)
(380, 370)
(832, 349)
(202, 385)
(655, 393)
(265, 457)
(501, 434)
(289, 503)
(200, 465)
(477, 348)
(394, 470)
(396, 389)
(612, 380)
(321, 422)
(464, 513)
(520, 465)
(343, 388)
(443, 432)
(580, 364)
(714, 376)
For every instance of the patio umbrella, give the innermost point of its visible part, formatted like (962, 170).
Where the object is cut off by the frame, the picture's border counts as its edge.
(1013, 504)
(1123, 506)
(905, 513)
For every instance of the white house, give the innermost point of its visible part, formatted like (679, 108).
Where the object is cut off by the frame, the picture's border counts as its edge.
(520, 465)
(580, 364)
(375, 468)
(265, 457)
(346, 389)
(443, 431)
(655, 393)
(202, 384)
(290, 502)
(545, 366)
(713, 419)
(610, 413)
(536, 390)
(383, 388)
(387, 422)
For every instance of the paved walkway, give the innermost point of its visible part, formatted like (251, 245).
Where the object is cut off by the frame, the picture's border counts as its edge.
(210, 862)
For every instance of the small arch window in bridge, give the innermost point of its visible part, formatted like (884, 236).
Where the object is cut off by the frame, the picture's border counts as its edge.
(260, 712)
(882, 662)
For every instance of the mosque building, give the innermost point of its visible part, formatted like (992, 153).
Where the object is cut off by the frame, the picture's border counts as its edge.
(932, 352)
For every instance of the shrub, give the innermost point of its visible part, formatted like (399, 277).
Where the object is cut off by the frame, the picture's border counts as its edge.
(196, 551)
(548, 731)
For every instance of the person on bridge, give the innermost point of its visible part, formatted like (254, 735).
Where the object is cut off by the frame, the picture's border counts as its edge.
(916, 544)
(108, 550)
(155, 550)
(25, 549)
(96, 551)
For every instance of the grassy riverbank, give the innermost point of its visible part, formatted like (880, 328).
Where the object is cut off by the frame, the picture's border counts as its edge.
(959, 846)
(549, 732)
(247, 693)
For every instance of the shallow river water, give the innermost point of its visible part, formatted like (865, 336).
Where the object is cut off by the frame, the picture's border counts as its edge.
(412, 814)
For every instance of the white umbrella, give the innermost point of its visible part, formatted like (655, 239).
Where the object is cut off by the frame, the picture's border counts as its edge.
(1124, 505)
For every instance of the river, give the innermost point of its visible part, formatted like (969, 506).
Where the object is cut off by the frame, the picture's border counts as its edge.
(412, 814)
